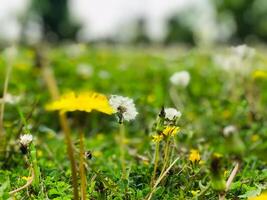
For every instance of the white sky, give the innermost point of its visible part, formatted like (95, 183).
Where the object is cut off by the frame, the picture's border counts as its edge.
(100, 18)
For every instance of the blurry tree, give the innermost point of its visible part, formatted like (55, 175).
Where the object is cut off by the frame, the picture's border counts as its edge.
(140, 32)
(55, 19)
(178, 31)
(250, 17)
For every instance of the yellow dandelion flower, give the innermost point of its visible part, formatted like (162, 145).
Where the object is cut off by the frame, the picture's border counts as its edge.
(171, 130)
(195, 192)
(259, 74)
(157, 138)
(26, 178)
(263, 196)
(151, 98)
(226, 114)
(255, 138)
(194, 155)
(86, 101)
(218, 155)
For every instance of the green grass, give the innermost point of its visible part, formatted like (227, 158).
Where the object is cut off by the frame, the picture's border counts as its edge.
(213, 100)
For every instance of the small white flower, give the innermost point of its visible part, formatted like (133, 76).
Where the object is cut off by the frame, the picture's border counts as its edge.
(172, 113)
(10, 99)
(85, 70)
(25, 140)
(243, 51)
(228, 130)
(181, 78)
(124, 106)
(11, 52)
(103, 74)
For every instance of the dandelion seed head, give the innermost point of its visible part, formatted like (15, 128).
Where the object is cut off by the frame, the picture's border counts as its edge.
(181, 78)
(26, 139)
(172, 113)
(85, 70)
(123, 105)
(228, 130)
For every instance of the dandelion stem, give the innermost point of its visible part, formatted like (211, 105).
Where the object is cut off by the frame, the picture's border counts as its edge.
(155, 163)
(232, 175)
(53, 90)
(175, 98)
(70, 151)
(2, 109)
(230, 180)
(33, 158)
(122, 149)
(160, 178)
(166, 155)
(82, 170)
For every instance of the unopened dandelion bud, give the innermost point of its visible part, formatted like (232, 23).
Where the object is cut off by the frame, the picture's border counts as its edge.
(217, 180)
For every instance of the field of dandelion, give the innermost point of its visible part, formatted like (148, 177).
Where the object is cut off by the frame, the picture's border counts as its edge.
(200, 131)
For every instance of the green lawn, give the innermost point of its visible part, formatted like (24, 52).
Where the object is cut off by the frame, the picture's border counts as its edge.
(214, 98)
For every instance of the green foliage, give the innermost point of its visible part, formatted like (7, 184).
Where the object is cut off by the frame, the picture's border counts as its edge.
(211, 101)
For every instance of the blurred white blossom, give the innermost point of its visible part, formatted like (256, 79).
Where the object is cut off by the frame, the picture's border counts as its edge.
(10, 99)
(172, 113)
(103, 74)
(181, 78)
(26, 139)
(238, 60)
(124, 106)
(228, 130)
(85, 70)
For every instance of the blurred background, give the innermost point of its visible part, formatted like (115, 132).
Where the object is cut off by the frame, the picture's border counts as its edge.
(164, 22)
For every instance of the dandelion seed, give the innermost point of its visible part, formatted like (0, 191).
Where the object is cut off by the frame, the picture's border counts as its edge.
(172, 114)
(171, 130)
(86, 101)
(26, 139)
(181, 78)
(194, 156)
(124, 106)
(157, 138)
(228, 130)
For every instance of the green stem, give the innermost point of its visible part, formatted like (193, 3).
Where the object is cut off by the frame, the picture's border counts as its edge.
(82, 171)
(122, 149)
(2, 108)
(166, 155)
(70, 151)
(36, 169)
(155, 163)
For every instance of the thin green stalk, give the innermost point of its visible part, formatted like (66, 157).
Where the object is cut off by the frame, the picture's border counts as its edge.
(155, 163)
(166, 155)
(51, 83)
(70, 152)
(2, 109)
(82, 170)
(122, 149)
(36, 169)
(160, 178)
